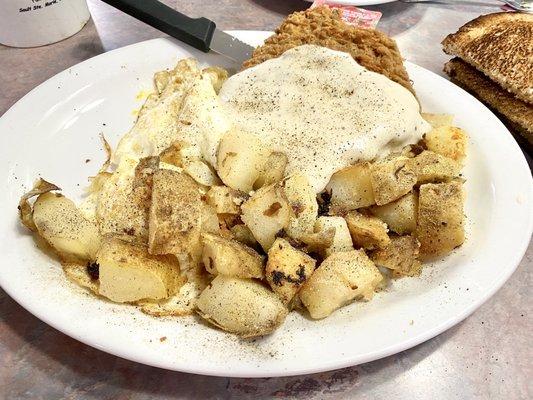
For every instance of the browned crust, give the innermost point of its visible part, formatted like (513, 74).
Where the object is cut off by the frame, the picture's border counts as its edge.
(501, 46)
(515, 112)
(323, 26)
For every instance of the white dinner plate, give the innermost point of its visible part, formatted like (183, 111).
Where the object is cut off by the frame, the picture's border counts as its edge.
(358, 2)
(53, 132)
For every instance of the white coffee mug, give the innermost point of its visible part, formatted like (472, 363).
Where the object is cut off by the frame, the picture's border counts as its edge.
(31, 23)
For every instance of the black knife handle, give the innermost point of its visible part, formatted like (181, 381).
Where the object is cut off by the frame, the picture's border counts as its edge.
(196, 32)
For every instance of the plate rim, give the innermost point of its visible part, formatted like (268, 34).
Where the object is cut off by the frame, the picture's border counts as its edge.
(339, 362)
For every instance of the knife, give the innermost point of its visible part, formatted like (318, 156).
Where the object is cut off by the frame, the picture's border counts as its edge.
(199, 33)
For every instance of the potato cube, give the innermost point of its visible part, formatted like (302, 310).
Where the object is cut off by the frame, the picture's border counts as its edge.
(340, 279)
(229, 257)
(240, 160)
(351, 188)
(175, 213)
(273, 170)
(440, 226)
(448, 141)
(367, 232)
(209, 219)
(430, 167)
(241, 306)
(318, 242)
(225, 199)
(399, 215)
(265, 214)
(201, 172)
(128, 273)
(243, 234)
(391, 179)
(342, 240)
(61, 224)
(287, 269)
(401, 256)
(303, 205)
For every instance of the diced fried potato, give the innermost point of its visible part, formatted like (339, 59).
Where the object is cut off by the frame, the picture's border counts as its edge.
(296, 304)
(201, 172)
(128, 273)
(448, 141)
(209, 223)
(175, 213)
(366, 231)
(318, 242)
(209, 219)
(265, 214)
(302, 202)
(273, 170)
(240, 160)
(401, 256)
(231, 258)
(243, 234)
(430, 167)
(342, 241)
(440, 226)
(438, 120)
(351, 188)
(341, 278)
(225, 199)
(61, 224)
(289, 205)
(391, 179)
(287, 269)
(399, 215)
(241, 306)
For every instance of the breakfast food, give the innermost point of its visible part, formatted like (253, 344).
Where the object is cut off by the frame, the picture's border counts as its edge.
(516, 113)
(323, 26)
(493, 62)
(305, 182)
(315, 87)
(491, 42)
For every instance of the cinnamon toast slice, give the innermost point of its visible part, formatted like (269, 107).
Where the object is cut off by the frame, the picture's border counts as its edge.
(323, 26)
(515, 113)
(501, 46)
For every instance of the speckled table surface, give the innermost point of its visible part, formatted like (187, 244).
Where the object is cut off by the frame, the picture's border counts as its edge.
(488, 356)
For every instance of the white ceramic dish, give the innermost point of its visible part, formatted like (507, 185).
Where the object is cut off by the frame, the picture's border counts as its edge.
(358, 2)
(54, 129)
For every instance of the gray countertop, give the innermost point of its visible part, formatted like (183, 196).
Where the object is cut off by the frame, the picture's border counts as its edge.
(488, 356)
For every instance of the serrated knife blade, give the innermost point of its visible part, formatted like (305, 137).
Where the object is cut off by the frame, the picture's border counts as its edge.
(230, 47)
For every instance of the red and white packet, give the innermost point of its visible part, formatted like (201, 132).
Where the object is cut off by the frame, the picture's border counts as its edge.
(352, 15)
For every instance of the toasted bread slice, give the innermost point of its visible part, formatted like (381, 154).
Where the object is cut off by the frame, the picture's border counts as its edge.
(517, 114)
(501, 46)
(324, 26)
